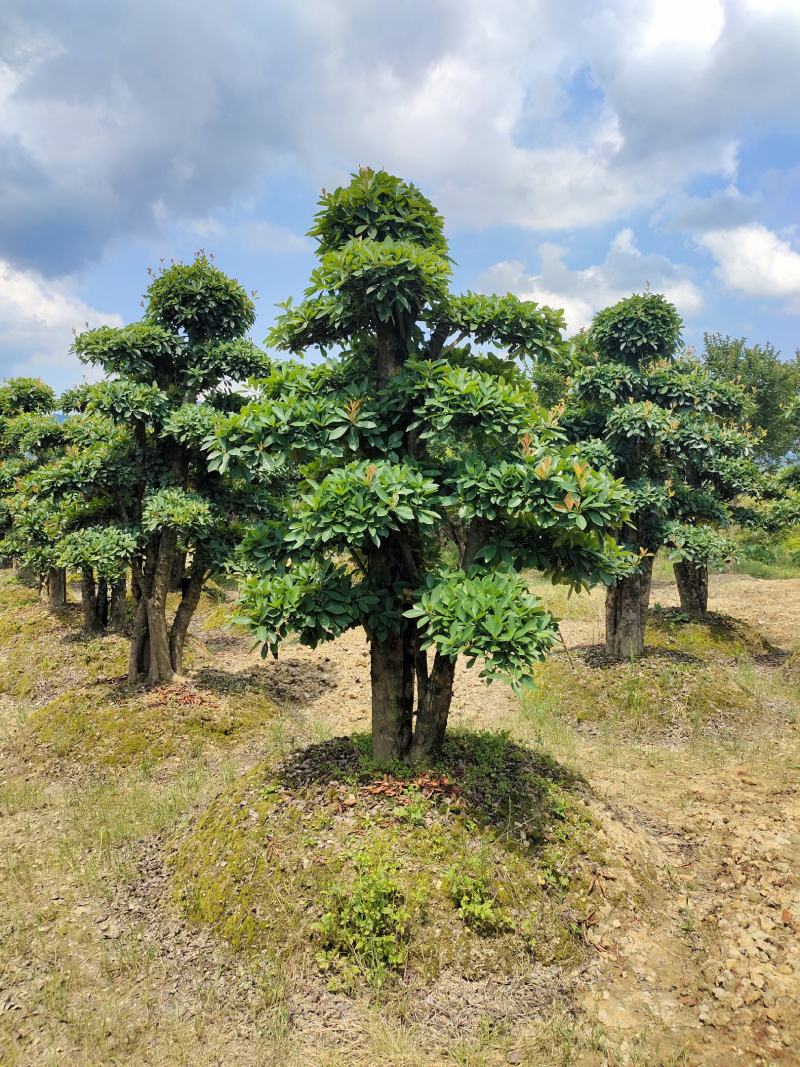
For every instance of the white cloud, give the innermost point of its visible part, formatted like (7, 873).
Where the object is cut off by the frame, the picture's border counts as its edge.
(583, 292)
(755, 261)
(37, 321)
(488, 107)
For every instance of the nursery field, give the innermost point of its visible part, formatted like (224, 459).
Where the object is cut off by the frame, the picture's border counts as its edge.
(602, 870)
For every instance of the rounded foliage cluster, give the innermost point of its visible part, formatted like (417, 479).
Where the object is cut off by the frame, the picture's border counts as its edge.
(377, 206)
(635, 330)
(199, 300)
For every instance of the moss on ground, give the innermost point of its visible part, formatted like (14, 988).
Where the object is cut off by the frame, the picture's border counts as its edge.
(77, 704)
(480, 866)
(714, 637)
(113, 725)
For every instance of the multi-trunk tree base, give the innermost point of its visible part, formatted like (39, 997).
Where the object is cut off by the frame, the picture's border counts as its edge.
(399, 674)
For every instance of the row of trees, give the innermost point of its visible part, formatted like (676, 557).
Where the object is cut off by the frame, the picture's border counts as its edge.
(402, 484)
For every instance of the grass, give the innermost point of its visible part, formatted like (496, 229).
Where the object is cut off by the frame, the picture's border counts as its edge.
(768, 555)
(73, 703)
(484, 866)
(697, 680)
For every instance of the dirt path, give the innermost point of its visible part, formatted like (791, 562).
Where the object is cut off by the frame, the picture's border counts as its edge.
(713, 958)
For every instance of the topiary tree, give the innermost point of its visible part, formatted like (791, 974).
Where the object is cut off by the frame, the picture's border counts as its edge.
(431, 480)
(170, 377)
(19, 397)
(671, 431)
(29, 434)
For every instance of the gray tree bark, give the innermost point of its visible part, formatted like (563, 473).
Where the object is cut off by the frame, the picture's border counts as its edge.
(118, 610)
(627, 602)
(91, 617)
(56, 588)
(391, 673)
(432, 713)
(150, 652)
(692, 582)
(193, 587)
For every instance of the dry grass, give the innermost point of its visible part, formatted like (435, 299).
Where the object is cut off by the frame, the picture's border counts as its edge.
(688, 761)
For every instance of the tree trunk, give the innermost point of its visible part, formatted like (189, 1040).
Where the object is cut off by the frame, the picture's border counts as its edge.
(56, 588)
(432, 713)
(692, 581)
(118, 611)
(150, 653)
(183, 616)
(102, 602)
(627, 602)
(178, 573)
(390, 670)
(91, 617)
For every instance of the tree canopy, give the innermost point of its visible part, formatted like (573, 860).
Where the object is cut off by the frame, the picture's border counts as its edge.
(430, 477)
(673, 431)
(772, 385)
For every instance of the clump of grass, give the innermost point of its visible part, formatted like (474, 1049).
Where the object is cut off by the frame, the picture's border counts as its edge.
(713, 637)
(693, 681)
(116, 724)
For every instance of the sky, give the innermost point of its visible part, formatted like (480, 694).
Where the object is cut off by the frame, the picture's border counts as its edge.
(578, 149)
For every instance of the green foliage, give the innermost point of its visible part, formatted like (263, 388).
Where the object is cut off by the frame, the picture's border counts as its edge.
(703, 545)
(187, 512)
(772, 385)
(136, 352)
(522, 327)
(25, 395)
(366, 922)
(379, 207)
(359, 502)
(106, 550)
(314, 600)
(198, 300)
(475, 898)
(29, 433)
(490, 615)
(677, 434)
(362, 285)
(636, 330)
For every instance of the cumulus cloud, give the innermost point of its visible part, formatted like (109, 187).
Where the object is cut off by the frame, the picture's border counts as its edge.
(548, 114)
(582, 292)
(37, 320)
(756, 261)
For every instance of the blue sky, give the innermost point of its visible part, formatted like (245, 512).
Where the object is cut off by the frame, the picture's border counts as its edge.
(579, 149)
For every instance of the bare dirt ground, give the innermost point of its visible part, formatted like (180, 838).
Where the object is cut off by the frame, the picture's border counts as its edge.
(694, 945)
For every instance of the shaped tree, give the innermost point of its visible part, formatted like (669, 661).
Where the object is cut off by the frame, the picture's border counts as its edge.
(29, 434)
(169, 379)
(431, 479)
(84, 489)
(672, 432)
